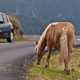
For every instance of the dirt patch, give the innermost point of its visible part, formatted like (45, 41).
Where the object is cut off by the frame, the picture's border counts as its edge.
(38, 78)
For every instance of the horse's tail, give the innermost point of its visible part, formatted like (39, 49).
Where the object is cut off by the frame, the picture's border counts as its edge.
(63, 46)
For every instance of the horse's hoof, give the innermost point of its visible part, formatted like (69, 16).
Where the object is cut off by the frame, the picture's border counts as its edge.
(46, 66)
(67, 72)
(73, 69)
(38, 63)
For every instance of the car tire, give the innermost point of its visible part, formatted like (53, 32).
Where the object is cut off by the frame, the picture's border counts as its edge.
(11, 37)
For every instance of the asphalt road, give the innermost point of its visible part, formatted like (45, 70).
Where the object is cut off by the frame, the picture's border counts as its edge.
(15, 60)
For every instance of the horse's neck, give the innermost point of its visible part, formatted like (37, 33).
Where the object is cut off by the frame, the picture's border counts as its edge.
(42, 38)
(42, 44)
(44, 33)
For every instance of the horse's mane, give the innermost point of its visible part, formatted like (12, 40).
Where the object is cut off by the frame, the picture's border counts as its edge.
(42, 38)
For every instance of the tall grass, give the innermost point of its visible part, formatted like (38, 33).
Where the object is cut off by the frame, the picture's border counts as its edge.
(55, 70)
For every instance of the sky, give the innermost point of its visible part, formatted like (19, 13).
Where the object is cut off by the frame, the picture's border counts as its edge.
(44, 10)
(8, 6)
(48, 9)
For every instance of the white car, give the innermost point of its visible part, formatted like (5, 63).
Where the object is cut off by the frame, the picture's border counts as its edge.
(6, 27)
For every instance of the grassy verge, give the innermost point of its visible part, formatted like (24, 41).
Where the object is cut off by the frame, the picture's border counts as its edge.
(17, 40)
(22, 39)
(27, 38)
(55, 71)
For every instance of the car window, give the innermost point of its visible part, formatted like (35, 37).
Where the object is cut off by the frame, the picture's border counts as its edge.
(1, 19)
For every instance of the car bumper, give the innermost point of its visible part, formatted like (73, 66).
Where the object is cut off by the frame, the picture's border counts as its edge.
(4, 35)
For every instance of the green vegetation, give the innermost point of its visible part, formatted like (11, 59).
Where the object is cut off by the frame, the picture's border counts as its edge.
(20, 39)
(55, 71)
(18, 33)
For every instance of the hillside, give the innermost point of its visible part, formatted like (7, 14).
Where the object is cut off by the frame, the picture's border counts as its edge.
(18, 29)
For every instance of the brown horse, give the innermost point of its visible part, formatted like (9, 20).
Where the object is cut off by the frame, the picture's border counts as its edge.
(59, 35)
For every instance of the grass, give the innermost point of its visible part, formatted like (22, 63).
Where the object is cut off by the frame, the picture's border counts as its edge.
(20, 39)
(55, 71)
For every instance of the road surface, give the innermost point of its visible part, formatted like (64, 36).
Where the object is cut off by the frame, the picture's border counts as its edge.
(15, 60)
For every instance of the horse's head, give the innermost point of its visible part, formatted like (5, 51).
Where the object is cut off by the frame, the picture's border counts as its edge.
(38, 51)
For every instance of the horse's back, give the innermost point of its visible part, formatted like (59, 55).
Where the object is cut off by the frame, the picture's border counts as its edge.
(55, 31)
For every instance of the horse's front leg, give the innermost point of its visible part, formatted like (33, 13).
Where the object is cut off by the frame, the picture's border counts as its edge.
(39, 57)
(48, 58)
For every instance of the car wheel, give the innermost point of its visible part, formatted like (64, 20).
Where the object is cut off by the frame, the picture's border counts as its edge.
(10, 39)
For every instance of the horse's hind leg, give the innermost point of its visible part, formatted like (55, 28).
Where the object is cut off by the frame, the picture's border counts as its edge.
(67, 61)
(66, 57)
(67, 70)
(48, 57)
(64, 52)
